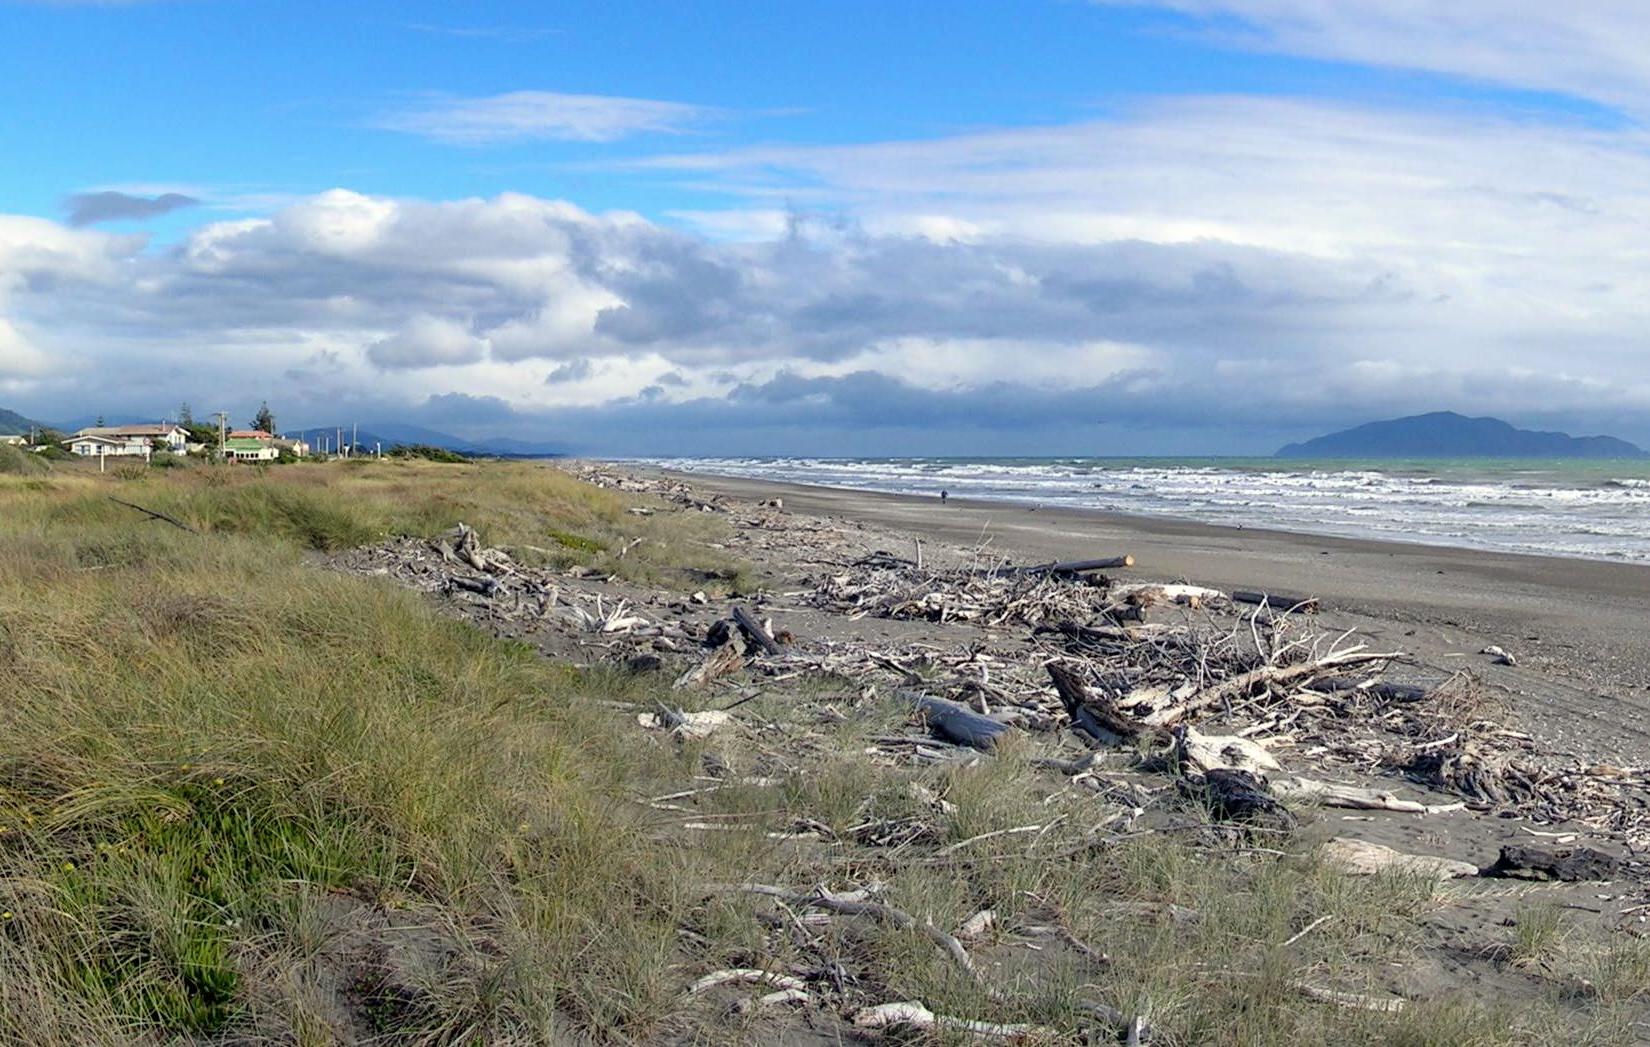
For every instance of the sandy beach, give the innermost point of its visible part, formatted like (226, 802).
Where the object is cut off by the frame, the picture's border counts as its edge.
(1576, 627)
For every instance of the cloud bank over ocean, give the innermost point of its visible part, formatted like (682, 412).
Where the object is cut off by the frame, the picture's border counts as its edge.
(1179, 272)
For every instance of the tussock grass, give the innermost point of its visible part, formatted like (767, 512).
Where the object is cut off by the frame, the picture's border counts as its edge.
(243, 799)
(242, 795)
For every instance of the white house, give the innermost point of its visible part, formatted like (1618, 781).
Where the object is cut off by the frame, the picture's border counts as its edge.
(121, 441)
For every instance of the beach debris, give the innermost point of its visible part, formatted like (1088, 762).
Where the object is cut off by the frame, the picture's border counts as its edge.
(1567, 864)
(1237, 796)
(1358, 798)
(1276, 601)
(684, 724)
(1500, 656)
(1354, 1000)
(1146, 594)
(915, 1016)
(977, 925)
(1208, 752)
(1362, 858)
(745, 976)
(956, 723)
(728, 658)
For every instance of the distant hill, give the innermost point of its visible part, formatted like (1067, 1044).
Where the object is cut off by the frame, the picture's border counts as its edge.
(1445, 434)
(12, 423)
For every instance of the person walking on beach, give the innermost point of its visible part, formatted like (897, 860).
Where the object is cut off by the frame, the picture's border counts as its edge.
(943, 496)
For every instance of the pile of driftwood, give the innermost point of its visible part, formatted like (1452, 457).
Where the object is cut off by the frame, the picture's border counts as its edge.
(883, 585)
(490, 588)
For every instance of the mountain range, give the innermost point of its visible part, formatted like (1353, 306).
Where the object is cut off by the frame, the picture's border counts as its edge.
(1445, 434)
(12, 423)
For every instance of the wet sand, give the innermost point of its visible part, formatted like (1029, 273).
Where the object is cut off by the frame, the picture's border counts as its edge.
(1579, 628)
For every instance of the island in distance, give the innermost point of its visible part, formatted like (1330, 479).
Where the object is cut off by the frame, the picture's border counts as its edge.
(1445, 434)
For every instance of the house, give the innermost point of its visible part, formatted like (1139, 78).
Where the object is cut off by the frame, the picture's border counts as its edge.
(15, 440)
(241, 448)
(113, 441)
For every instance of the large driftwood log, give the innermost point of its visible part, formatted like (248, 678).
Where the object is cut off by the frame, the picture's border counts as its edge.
(1069, 567)
(754, 632)
(1276, 601)
(1362, 858)
(957, 723)
(1334, 794)
(1567, 864)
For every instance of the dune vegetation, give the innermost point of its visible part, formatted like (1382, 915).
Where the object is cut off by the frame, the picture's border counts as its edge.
(247, 799)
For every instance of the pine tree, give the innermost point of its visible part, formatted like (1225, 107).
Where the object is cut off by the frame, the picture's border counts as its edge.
(265, 421)
(186, 417)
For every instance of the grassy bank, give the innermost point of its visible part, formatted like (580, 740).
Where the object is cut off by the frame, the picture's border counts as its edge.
(241, 793)
(245, 798)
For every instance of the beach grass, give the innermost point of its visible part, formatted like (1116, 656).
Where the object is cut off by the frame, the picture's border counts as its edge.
(248, 799)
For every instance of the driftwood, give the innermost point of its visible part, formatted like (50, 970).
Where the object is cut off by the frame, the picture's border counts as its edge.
(728, 658)
(1096, 715)
(1383, 689)
(1567, 864)
(1362, 858)
(1276, 601)
(1208, 752)
(1245, 684)
(153, 515)
(854, 906)
(957, 723)
(1144, 594)
(1238, 796)
(912, 1015)
(745, 976)
(754, 631)
(1069, 568)
(1334, 794)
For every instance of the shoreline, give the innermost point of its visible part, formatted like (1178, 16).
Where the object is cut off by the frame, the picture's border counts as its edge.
(1575, 625)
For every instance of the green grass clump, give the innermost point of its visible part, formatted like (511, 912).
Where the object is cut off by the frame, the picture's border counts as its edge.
(17, 461)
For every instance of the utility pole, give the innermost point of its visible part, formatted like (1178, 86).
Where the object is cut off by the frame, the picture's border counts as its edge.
(223, 433)
(339, 432)
(354, 436)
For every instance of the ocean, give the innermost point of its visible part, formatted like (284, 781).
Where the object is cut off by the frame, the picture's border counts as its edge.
(1597, 509)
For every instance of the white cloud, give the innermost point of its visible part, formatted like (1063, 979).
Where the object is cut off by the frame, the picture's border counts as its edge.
(519, 116)
(1592, 50)
(1167, 262)
(428, 341)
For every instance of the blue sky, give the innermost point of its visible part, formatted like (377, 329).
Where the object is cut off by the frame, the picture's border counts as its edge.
(1012, 227)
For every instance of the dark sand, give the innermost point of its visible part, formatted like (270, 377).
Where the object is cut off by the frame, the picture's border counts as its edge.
(1579, 628)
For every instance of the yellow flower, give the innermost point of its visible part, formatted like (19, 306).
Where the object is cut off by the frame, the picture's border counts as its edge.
(68, 866)
(217, 781)
(5, 915)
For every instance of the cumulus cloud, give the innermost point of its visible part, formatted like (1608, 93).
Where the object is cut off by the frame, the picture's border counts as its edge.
(1183, 267)
(428, 341)
(520, 116)
(571, 371)
(112, 206)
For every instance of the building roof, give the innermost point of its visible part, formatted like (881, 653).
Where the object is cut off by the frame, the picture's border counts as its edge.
(95, 440)
(246, 443)
(117, 431)
(250, 434)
